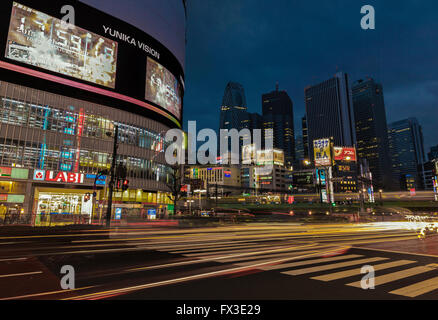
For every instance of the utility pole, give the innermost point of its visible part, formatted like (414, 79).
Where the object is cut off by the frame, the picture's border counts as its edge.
(216, 194)
(112, 177)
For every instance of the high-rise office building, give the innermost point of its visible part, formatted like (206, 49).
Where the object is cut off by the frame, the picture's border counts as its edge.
(233, 109)
(407, 151)
(252, 121)
(433, 153)
(372, 130)
(305, 137)
(299, 150)
(329, 112)
(277, 108)
(234, 114)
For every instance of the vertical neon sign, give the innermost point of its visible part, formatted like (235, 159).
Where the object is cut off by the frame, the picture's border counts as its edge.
(44, 145)
(78, 138)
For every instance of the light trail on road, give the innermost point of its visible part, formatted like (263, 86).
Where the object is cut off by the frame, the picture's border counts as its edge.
(181, 255)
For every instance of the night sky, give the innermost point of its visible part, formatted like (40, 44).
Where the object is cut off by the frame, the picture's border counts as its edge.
(299, 43)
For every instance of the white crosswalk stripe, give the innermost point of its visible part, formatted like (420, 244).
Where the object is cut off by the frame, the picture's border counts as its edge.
(333, 266)
(390, 277)
(418, 288)
(326, 269)
(412, 291)
(312, 261)
(357, 271)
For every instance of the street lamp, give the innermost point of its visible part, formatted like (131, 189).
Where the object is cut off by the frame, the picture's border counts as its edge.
(380, 194)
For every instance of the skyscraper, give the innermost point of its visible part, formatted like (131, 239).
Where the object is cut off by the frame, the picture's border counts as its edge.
(329, 112)
(299, 150)
(305, 137)
(372, 130)
(233, 109)
(433, 153)
(277, 109)
(407, 151)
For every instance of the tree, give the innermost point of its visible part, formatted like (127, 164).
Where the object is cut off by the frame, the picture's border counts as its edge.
(175, 184)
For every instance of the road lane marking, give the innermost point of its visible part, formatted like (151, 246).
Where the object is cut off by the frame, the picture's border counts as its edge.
(390, 277)
(266, 256)
(244, 250)
(13, 259)
(189, 278)
(264, 259)
(395, 251)
(44, 293)
(19, 274)
(357, 271)
(313, 261)
(175, 264)
(332, 266)
(217, 249)
(417, 289)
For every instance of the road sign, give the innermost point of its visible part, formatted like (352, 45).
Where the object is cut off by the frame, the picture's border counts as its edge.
(118, 213)
(152, 214)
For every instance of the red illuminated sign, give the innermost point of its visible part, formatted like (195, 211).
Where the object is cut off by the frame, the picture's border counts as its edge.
(65, 177)
(345, 154)
(5, 172)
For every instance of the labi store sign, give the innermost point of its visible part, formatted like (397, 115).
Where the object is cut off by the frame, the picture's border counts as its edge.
(52, 176)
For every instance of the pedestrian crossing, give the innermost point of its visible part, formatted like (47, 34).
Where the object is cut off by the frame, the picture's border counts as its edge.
(307, 267)
(343, 268)
(356, 271)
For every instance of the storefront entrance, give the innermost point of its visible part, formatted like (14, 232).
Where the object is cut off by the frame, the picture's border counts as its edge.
(11, 214)
(63, 206)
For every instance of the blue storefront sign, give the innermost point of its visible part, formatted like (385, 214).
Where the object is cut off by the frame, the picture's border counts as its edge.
(118, 213)
(152, 214)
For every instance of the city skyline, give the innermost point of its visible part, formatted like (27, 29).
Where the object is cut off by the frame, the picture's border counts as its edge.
(116, 184)
(293, 61)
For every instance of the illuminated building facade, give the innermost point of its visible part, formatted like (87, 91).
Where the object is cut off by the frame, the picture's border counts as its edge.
(58, 116)
(225, 178)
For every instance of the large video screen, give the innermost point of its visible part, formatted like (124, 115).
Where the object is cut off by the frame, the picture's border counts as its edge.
(46, 42)
(163, 88)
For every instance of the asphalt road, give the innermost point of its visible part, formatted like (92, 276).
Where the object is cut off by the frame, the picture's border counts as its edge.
(254, 261)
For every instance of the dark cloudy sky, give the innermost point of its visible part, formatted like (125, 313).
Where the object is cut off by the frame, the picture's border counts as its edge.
(297, 43)
(303, 42)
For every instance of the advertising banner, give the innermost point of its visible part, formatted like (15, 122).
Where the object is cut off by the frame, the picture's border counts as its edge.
(46, 42)
(270, 157)
(248, 154)
(107, 60)
(344, 154)
(321, 152)
(163, 88)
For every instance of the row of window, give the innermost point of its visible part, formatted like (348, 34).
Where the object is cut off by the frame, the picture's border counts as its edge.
(14, 153)
(76, 123)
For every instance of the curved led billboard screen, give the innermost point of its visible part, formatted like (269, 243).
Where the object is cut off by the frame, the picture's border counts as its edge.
(99, 55)
(163, 88)
(43, 41)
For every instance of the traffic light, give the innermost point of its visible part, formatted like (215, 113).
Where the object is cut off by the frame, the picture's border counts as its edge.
(125, 185)
(87, 197)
